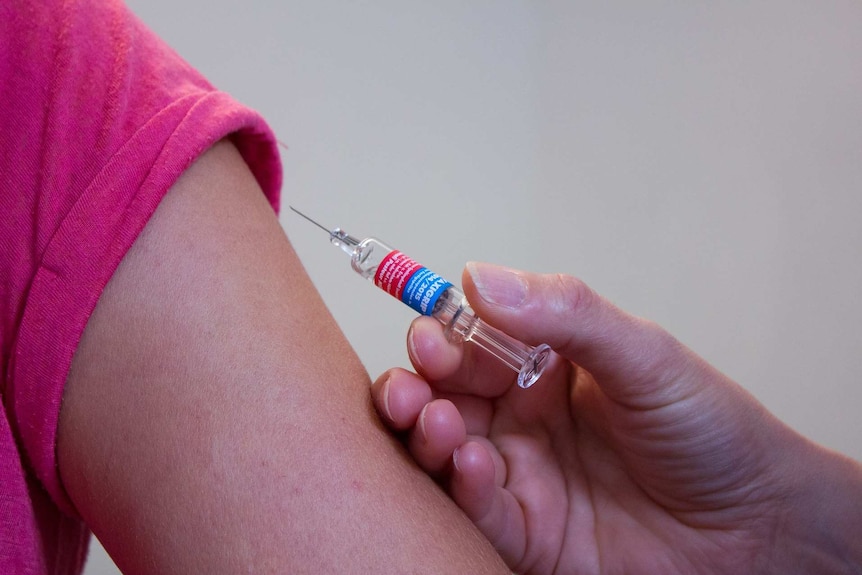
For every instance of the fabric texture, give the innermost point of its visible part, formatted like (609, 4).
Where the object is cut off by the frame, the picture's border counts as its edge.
(98, 118)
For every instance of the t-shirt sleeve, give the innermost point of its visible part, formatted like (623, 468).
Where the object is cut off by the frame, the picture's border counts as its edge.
(99, 119)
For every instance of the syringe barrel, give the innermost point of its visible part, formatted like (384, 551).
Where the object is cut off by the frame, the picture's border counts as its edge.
(430, 294)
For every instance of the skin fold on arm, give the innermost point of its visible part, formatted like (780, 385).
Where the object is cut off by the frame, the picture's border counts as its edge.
(216, 421)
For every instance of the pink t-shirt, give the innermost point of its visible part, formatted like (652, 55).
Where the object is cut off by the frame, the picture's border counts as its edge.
(98, 118)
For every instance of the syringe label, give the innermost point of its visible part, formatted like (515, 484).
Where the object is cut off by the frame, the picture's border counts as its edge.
(412, 283)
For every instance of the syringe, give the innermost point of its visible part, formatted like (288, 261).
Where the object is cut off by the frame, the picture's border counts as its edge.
(430, 294)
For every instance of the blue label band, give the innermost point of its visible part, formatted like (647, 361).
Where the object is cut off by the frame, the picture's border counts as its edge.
(423, 289)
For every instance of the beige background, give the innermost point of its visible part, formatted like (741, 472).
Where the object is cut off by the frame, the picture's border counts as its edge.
(700, 163)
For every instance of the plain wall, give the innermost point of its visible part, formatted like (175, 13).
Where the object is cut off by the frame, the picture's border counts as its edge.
(699, 163)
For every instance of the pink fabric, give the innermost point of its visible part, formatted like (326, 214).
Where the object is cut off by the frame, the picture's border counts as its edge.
(98, 118)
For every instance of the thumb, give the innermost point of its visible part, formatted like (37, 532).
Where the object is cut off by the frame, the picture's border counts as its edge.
(633, 360)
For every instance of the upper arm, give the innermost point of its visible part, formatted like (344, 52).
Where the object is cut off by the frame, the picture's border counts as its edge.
(215, 420)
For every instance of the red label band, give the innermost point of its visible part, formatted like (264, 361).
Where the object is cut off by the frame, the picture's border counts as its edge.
(394, 272)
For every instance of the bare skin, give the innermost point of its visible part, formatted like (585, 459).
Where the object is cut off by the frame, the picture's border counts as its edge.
(216, 421)
(630, 455)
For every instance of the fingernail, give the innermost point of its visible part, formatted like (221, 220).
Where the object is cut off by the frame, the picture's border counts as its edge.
(386, 399)
(420, 424)
(455, 458)
(498, 285)
(411, 348)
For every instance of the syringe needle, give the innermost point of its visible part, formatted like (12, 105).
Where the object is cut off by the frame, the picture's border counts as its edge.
(327, 230)
(337, 236)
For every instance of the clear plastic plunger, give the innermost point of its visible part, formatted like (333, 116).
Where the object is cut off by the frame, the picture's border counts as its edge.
(432, 295)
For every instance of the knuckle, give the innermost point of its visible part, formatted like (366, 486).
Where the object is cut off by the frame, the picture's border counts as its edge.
(571, 294)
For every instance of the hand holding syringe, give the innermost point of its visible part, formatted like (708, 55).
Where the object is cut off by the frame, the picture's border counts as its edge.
(430, 294)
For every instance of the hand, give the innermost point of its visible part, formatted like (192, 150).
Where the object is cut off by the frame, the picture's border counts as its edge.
(630, 455)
